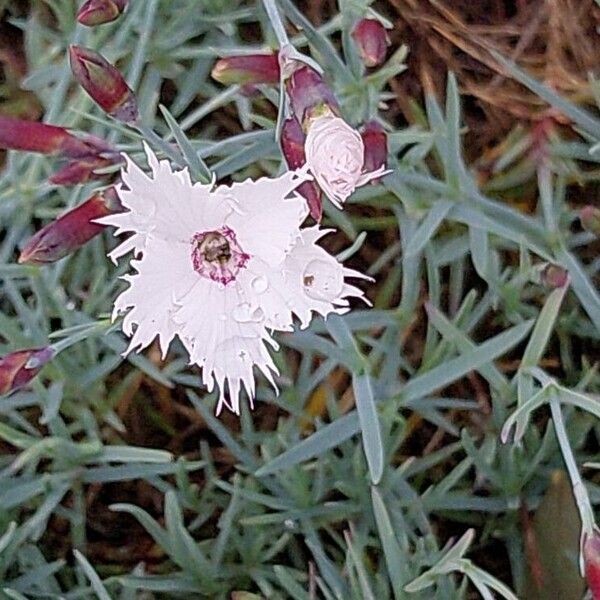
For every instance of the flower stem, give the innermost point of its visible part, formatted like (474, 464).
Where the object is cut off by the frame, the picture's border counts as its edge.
(579, 490)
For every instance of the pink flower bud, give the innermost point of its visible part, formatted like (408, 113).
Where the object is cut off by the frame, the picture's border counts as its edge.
(247, 69)
(70, 231)
(555, 276)
(372, 41)
(104, 83)
(31, 136)
(374, 139)
(590, 219)
(97, 12)
(81, 170)
(335, 155)
(292, 145)
(591, 555)
(17, 369)
(309, 95)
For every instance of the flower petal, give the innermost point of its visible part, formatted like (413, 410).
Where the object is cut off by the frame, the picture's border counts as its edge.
(164, 274)
(166, 205)
(316, 280)
(268, 214)
(309, 280)
(226, 336)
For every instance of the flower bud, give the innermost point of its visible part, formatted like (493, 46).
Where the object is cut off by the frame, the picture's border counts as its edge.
(591, 556)
(104, 83)
(374, 139)
(590, 219)
(97, 12)
(371, 40)
(81, 170)
(292, 143)
(19, 368)
(310, 96)
(335, 155)
(31, 136)
(554, 276)
(247, 69)
(292, 146)
(70, 231)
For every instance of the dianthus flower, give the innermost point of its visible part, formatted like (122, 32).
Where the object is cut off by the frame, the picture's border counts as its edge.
(221, 267)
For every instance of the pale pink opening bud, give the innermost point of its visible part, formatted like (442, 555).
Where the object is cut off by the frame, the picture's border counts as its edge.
(335, 155)
(372, 41)
(70, 231)
(17, 369)
(292, 145)
(309, 95)
(590, 219)
(31, 136)
(104, 83)
(591, 555)
(247, 69)
(97, 12)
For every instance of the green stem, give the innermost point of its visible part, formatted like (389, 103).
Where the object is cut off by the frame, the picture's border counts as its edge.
(579, 490)
(276, 22)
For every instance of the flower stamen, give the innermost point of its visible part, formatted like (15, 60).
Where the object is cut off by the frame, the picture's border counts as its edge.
(217, 255)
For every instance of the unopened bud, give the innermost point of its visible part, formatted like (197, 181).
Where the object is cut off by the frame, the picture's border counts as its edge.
(104, 83)
(18, 368)
(70, 231)
(374, 139)
(555, 276)
(372, 41)
(292, 146)
(591, 556)
(590, 219)
(82, 170)
(247, 69)
(292, 143)
(309, 95)
(31, 136)
(97, 12)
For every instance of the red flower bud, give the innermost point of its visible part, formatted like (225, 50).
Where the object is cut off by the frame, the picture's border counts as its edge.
(590, 219)
(591, 555)
(19, 368)
(97, 12)
(104, 83)
(70, 231)
(292, 143)
(80, 171)
(252, 68)
(372, 41)
(17, 134)
(555, 276)
(292, 146)
(309, 94)
(374, 139)
(313, 195)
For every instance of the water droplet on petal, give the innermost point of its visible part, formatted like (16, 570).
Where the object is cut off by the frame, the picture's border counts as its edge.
(323, 280)
(243, 313)
(260, 284)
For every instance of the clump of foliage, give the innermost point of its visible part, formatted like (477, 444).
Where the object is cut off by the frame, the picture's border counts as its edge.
(417, 448)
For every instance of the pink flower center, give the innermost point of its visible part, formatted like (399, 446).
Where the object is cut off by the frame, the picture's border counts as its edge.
(217, 255)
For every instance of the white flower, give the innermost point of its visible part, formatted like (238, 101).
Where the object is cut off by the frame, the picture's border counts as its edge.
(335, 156)
(221, 268)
